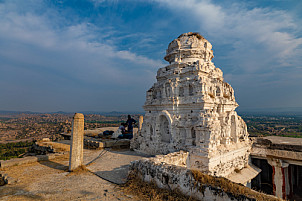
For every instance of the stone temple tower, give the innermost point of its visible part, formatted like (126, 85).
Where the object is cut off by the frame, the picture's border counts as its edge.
(191, 108)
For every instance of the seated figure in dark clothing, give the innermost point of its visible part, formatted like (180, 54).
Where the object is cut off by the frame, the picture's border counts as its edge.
(129, 133)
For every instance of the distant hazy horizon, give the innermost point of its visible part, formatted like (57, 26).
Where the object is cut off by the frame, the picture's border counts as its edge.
(278, 111)
(91, 55)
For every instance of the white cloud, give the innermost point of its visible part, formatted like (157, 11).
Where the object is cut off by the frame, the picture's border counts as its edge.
(43, 57)
(77, 49)
(261, 51)
(43, 47)
(251, 32)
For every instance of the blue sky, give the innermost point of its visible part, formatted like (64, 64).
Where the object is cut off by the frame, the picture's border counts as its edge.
(98, 55)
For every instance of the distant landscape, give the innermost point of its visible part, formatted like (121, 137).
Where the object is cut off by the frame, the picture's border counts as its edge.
(19, 129)
(285, 122)
(28, 126)
(285, 126)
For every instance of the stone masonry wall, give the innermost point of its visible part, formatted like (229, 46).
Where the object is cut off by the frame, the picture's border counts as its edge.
(168, 176)
(173, 177)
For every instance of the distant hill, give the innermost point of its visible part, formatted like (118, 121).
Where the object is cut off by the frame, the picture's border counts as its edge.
(17, 112)
(113, 113)
(290, 111)
(286, 111)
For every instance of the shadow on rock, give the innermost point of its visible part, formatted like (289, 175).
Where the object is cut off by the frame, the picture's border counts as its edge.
(130, 153)
(54, 165)
(117, 175)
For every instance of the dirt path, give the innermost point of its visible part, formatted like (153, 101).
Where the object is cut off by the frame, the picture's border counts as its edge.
(49, 180)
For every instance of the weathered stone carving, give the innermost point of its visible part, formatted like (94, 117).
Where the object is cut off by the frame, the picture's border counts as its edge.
(191, 108)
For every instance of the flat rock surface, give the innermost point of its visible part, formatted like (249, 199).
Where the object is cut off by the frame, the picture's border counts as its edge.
(49, 180)
(117, 164)
(284, 140)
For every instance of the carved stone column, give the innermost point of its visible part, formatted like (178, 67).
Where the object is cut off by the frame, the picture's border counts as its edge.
(199, 136)
(77, 142)
(280, 182)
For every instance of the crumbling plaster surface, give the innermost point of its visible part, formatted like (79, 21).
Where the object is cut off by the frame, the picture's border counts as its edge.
(176, 158)
(191, 108)
(166, 172)
(175, 177)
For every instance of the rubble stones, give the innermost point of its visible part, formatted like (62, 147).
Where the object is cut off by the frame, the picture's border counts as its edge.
(5, 179)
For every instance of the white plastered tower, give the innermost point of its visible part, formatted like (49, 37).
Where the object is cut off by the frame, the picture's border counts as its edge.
(191, 108)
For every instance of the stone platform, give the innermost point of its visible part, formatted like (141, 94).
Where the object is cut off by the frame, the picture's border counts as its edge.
(112, 166)
(94, 143)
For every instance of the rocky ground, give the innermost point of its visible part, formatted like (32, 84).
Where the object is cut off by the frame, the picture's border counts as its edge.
(50, 180)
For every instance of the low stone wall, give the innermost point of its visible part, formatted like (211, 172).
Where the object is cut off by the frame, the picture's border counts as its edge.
(174, 177)
(41, 149)
(96, 144)
(93, 144)
(29, 159)
(46, 147)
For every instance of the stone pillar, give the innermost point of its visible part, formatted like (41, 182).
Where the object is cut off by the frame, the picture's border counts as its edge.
(188, 137)
(198, 132)
(280, 182)
(140, 122)
(77, 141)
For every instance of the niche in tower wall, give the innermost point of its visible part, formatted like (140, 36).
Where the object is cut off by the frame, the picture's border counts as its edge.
(164, 129)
